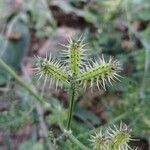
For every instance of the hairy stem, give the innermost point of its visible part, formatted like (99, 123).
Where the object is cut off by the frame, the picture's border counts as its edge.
(73, 95)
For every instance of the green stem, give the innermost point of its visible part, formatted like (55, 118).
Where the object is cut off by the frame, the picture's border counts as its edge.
(20, 81)
(73, 95)
(72, 138)
(77, 142)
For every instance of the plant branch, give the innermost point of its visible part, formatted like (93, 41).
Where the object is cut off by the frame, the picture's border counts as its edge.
(75, 140)
(20, 81)
(147, 56)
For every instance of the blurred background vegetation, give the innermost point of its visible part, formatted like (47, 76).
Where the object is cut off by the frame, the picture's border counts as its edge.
(120, 28)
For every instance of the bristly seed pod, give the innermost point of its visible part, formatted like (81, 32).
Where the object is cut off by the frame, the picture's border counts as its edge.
(112, 139)
(100, 73)
(75, 55)
(52, 70)
(119, 137)
(98, 141)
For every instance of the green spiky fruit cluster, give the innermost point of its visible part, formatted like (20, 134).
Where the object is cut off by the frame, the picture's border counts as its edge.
(115, 138)
(76, 67)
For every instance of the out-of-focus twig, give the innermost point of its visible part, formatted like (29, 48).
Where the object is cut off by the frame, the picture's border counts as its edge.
(40, 113)
(146, 45)
(20, 81)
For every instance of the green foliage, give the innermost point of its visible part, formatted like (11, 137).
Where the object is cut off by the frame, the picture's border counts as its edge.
(139, 10)
(59, 113)
(86, 116)
(41, 18)
(12, 50)
(17, 110)
(31, 145)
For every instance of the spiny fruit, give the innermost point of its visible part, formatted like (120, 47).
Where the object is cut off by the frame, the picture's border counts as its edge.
(77, 67)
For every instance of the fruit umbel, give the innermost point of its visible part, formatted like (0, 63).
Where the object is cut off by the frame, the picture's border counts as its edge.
(98, 72)
(77, 71)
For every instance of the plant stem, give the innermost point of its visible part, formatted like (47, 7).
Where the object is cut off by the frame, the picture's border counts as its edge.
(20, 81)
(77, 142)
(73, 95)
